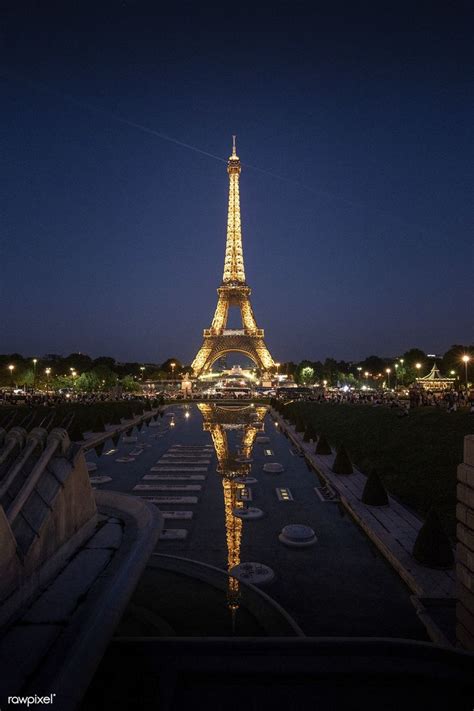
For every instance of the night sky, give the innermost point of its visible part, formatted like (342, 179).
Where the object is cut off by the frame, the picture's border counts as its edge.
(354, 127)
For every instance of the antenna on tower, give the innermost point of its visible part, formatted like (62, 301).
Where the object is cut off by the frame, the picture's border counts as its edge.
(233, 145)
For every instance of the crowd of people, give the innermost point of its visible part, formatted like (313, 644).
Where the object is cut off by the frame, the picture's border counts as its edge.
(49, 399)
(450, 400)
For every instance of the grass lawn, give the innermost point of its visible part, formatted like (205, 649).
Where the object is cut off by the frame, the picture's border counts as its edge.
(416, 456)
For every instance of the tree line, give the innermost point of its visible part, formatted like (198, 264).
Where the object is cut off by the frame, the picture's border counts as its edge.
(86, 373)
(81, 371)
(403, 369)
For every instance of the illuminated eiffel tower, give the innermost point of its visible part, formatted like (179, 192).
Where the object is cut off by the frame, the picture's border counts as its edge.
(219, 340)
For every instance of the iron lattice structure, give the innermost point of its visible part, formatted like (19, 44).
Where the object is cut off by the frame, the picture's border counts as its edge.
(218, 340)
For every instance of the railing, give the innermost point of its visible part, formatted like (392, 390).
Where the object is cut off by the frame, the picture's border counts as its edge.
(57, 438)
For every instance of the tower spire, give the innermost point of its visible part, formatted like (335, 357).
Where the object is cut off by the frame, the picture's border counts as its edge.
(234, 270)
(233, 291)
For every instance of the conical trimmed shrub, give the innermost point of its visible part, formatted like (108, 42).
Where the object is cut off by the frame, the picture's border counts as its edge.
(432, 546)
(374, 493)
(299, 426)
(115, 418)
(309, 434)
(322, 447)
(342, 463)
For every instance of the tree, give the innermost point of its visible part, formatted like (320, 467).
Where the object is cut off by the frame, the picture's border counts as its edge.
(129, 384)
(166, 366)
(452, 359)
(104, 361)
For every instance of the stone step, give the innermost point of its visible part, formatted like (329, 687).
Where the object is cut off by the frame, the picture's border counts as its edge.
(177, 515)
(174, 477)
(173, 534)
(157, 468)
(167, 487)
(171, 499)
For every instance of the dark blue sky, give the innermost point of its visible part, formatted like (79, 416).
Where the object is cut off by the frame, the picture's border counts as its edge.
(112, 239)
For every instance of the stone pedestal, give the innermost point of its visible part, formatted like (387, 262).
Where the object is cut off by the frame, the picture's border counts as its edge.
(465, 547)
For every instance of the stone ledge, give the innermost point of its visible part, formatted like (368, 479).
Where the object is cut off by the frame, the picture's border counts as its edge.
(109, 536)
(62, 597)
(465, 556)
(465, 617)
(465, 515)
(469, 450)
(465, 596)
(465, 536)
(465, 577)
(68, 659)
(466, 474)
(463, 636)
(465, 495)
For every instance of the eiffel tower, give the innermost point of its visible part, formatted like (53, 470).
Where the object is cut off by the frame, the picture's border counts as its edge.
(219, 340)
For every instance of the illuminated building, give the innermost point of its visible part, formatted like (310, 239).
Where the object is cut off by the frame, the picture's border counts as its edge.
(234, 291)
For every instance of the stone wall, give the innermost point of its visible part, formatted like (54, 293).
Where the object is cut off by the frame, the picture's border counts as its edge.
(68, 519)
(465, 547)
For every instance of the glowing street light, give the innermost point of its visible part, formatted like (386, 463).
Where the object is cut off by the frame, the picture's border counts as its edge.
(48, 373)
(11, 368)
(173, 366)
(388, 371)
(418, 366)
(465, 359)
(142, 369)
(35, 360)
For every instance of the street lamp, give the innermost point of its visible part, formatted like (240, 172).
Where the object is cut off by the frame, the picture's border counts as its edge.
(48, 373)
(388, 371)
(465, 359)
(418, 366)
(173, 366)
(366, 378)
(396, 374)
(35, 360)
(142, 368)
(11, 368)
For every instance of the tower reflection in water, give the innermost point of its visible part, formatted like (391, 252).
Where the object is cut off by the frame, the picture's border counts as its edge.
(234, 465)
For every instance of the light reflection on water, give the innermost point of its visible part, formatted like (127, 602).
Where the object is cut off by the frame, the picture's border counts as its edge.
(233, 463)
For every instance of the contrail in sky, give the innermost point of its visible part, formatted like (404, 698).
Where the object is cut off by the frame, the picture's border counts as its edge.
(152, 132)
